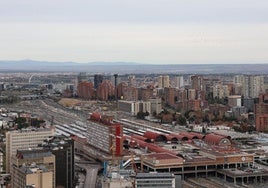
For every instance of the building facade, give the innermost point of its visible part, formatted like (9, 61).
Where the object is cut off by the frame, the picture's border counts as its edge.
(32, 175)
(38, 156)
(261, 113)
(104, 134)
(163, 81)
(24, 139)
(98, 78)
(160, 180)
(63, 149)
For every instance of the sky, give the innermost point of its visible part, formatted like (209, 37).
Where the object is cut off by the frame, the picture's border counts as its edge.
(142, 31)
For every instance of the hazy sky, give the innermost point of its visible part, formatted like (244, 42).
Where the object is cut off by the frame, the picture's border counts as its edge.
(145, 31)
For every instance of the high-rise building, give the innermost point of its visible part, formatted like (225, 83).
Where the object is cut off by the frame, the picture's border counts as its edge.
(170, 94)
(24, 139)
(120, 90)
(145, 94)
(105, 90)
(163, 81)
(86, 90)
(252, 86)
(220, 91)
(238, 79)
(131, 81)
(63, 149)
(98, 78)
(179, 81)
(82, 76)
(197, 82)
(130, 93)
(261, 113)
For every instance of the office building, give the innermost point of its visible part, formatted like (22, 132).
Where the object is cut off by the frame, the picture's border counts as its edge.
(38, 156)
(63, 149)
(24, 139)
(98, 78)
(104, 134)
(31, 175)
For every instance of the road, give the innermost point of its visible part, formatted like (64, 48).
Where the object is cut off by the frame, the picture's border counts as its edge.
(91, 174)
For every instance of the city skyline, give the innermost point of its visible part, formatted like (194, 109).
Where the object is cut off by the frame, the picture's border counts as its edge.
(150, 32)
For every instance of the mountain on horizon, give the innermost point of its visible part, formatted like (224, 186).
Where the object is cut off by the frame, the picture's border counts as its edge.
(130, 67)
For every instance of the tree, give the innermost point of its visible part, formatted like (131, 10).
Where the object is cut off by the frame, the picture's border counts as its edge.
(181, 120)
(21, 122)
(204, 130)
(37, 123)
(141, 115)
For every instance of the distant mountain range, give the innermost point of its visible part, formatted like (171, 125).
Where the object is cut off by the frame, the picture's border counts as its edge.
(131, 67)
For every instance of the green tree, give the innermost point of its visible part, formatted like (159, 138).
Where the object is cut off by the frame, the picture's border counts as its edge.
(21, 122)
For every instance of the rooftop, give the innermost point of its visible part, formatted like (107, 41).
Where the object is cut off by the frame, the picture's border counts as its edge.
(154, 175)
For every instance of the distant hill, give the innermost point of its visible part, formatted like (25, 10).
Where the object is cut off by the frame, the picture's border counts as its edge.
(131, 67)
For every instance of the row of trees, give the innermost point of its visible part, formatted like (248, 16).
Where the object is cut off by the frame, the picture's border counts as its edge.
(22, 122)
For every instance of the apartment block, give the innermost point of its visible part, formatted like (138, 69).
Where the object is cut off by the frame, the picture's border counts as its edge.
(261, 113)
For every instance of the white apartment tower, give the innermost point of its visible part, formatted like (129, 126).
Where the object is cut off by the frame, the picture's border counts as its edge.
(24, 139)
(252, 86)
(179, 81)
(220, 91)
(163, 81)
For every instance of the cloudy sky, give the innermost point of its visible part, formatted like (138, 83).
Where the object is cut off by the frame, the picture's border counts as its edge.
(144, 31)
